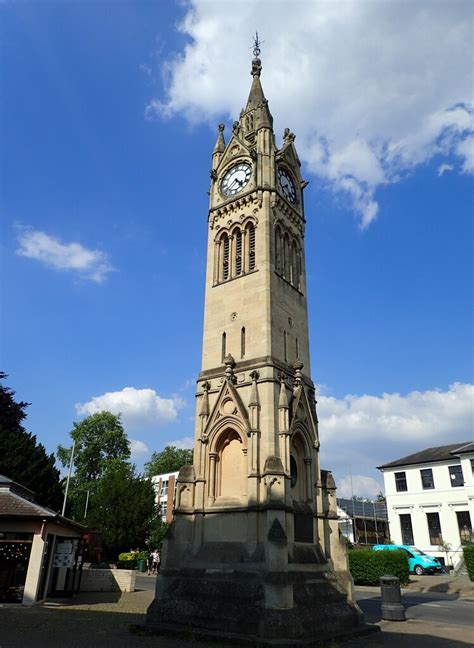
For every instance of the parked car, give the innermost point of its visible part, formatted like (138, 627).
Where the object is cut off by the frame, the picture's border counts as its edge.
(418, 562)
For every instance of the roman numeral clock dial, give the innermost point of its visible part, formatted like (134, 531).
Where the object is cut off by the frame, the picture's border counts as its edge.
(235, 179)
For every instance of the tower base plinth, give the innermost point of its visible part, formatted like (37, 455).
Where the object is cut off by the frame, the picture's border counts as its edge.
(229, 603)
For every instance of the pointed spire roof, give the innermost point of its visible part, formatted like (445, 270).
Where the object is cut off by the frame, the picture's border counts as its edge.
(257, 104)
(256, 96)
(220, 143)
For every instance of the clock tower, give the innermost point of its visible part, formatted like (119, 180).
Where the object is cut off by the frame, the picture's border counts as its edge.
(254, 549)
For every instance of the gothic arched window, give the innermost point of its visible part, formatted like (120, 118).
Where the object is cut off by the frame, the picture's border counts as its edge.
(278, 250)
(286, 257)
(238, 252)
(251, 246)
(223, 349)
(225, 257)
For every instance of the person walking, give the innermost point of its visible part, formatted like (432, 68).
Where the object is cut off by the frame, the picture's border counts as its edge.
(155, 565)
(150, 563)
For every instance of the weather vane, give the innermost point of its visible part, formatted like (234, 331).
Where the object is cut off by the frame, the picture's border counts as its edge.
(256, 45)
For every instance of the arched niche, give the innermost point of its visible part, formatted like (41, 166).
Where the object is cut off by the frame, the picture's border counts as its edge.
(301, 465)
(230, 465)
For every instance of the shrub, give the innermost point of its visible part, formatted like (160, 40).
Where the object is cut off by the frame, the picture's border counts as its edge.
(128, 556)
(468, 551)
(368, 566)
(126, 564)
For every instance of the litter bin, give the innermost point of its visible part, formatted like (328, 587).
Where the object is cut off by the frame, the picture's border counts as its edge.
(141, 565)
(392, 607)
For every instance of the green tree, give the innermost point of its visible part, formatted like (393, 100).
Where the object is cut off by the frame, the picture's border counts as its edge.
(101, 443)
(168, 460)
(123, 508)
(100, 440)
(380, 497)
(22, 458)
(156, 532)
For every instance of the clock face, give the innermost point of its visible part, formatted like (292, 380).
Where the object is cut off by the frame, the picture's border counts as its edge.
(236, 178)
(287, 185)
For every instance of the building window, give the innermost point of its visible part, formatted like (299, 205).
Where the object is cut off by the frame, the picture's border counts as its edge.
(242, 342)
(455, 475)
(406, 529)
(472, 466)
(234, 254)
(225, 258)
(464, 526)
(284, 346)
(400, 482)
(434, 529)
(164, 509)
(238, 253)
(251, 235)
(427, 478)
(223, 350)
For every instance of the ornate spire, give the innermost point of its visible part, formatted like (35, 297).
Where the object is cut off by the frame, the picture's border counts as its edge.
(220, 143)
(283, 400)
(205, 400)
(254, 401)
(257, 104)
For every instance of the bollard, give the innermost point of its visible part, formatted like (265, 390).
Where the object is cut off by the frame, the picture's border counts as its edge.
(392, 607)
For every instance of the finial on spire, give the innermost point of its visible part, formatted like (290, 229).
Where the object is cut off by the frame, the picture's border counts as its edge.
(256, 45)
(256, 63)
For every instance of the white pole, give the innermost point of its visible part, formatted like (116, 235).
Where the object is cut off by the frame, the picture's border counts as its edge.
(87, 504)
(71, 463)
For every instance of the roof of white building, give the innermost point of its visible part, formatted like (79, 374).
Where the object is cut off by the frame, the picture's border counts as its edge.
(430, 455)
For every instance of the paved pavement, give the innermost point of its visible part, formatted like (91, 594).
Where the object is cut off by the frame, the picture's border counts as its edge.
(103, 620)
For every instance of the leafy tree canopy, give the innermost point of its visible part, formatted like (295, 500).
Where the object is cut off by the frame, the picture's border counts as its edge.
(123, 508)
(168, 460)
(22, 458)
(100, 441)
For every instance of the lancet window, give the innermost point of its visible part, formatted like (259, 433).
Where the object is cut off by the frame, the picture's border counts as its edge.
(235, 253)
(288, 258)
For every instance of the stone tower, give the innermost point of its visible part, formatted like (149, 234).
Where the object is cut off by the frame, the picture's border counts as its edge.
(254, 547)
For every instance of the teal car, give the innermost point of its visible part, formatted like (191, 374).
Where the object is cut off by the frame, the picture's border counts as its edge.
(418, 562)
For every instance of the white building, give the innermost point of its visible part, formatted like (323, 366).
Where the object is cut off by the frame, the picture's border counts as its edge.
(165, 489)
(430, 499)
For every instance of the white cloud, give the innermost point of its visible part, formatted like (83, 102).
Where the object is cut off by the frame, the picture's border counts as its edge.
(88, 264)
(139, 407)
(465, 149)
(418, 417)
(359, 433)
(359, 485)
(185, 443)
(444, 167)
(371, 91)
(138, 449)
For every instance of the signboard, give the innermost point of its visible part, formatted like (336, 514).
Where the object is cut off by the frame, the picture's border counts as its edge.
(64, 556)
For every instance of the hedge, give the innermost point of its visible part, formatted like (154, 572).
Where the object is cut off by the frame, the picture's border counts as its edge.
(468, 551)
(367, 566)
(126, 564)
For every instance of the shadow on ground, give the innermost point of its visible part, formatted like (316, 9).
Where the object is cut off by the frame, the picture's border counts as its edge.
(396, 640)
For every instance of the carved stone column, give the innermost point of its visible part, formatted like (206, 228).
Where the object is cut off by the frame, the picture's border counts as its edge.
(212, 475)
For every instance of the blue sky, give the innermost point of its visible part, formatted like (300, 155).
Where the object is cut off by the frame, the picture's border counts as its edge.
(108, 116)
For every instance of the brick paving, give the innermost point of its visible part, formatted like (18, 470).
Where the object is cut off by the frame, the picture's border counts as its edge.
(103, 620)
